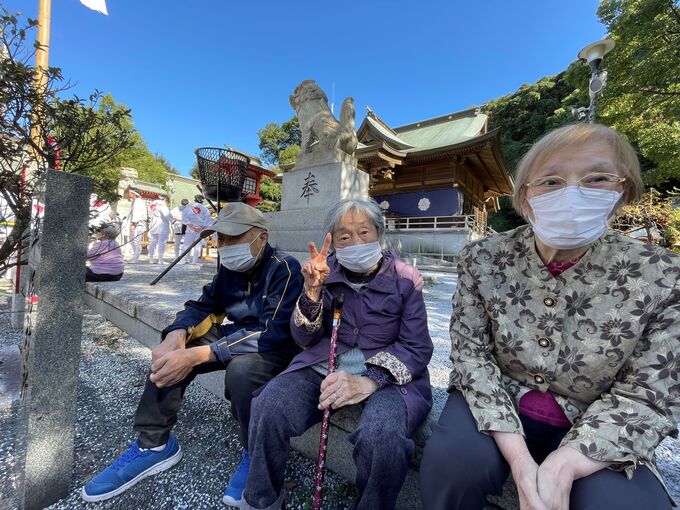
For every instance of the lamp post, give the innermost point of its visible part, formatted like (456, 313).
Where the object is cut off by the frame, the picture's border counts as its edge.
(593, 55)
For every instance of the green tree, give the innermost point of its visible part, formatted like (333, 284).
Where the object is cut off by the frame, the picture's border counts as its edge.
(37, 123)
(150, 167)
(166, 164)
(527, 114)
(194, 171)
(642, 98)
(280, 143)
(523, 117)
(270, 191)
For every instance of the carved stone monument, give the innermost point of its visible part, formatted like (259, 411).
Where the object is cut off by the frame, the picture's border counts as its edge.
(52, 349)
(325, 171)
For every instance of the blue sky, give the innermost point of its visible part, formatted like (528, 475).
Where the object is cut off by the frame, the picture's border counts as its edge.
(213, 72)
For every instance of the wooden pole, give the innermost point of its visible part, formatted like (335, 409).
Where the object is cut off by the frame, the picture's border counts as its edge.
(42, 54)
(42, 57)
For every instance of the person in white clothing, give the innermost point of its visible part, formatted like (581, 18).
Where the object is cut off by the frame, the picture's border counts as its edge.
(100, 213)
(138, 223)
(178, 228)
(195, 216)
(159, 230)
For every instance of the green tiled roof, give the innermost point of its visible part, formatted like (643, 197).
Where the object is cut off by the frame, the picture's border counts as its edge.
(150, 187)
(442, 132)
(389, 137)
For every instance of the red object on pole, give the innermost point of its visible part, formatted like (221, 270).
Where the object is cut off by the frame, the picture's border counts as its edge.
(317, 497)
(17, 276)
(53, 154)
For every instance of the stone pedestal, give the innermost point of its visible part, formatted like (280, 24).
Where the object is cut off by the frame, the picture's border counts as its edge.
(52, 349)
(307, 193)
(18, 309)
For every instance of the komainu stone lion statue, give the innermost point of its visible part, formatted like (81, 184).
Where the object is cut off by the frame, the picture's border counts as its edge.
(320, 130)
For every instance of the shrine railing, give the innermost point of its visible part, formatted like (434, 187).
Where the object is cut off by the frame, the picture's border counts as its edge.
(462, 222)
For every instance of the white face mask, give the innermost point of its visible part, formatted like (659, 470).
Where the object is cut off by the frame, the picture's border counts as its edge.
(359, 258)
(237, 257)
(572, 218)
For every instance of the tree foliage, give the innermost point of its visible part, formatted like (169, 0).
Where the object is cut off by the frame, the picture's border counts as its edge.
(642, 98)
(280, 143)
(38, 126)
(150, 167)
(270, 191)
(194, 171)
(526, 115)
(166, 164)
(653, 212)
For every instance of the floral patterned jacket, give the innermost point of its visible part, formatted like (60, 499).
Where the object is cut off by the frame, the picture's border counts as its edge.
(603, 337)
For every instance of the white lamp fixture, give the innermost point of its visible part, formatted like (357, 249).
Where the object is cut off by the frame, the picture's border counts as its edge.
(593, 55)
(594, 52)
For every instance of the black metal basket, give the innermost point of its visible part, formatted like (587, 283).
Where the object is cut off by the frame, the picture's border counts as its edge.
(222, 174)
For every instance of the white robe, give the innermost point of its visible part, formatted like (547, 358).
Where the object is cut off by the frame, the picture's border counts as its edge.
(195, 216)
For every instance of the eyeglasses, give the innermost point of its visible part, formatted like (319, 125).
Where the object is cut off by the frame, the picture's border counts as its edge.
(550, 183)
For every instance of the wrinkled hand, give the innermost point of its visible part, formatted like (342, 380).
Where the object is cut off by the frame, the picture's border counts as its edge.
(557, 474)
(525, 474)
(341, 389)
(174, 340)
(315, 271)
(172, 367)
(554, 485)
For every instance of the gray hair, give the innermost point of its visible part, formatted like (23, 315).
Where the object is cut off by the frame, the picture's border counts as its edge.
(110, 230)
(368, 207)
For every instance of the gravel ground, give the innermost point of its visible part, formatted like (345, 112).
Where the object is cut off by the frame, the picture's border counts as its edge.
(113, 367)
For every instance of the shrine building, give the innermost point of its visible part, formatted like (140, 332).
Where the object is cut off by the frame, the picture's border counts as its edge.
(436, 179)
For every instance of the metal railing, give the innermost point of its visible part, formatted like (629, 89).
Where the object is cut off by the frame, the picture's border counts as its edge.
(462, 222)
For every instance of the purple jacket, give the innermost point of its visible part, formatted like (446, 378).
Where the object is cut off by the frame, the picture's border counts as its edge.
(386, 319)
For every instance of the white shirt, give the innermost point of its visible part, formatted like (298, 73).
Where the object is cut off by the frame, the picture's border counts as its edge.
(160, 219)
(196, 215)
(176, 213)
(138, 212)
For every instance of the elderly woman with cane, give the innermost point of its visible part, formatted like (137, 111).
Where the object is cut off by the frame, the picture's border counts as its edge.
(565, 340)
(383, 348)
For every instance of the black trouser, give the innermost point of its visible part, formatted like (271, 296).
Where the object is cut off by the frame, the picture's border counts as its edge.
(96, 277)
(461, 466)
(245, 373)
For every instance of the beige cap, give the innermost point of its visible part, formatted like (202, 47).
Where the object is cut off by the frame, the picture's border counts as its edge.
(234, 219)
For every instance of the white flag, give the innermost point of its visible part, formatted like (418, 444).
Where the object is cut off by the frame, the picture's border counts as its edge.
(96, 5)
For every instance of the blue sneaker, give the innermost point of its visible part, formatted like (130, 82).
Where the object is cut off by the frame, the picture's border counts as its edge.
(128, 469)
(233, 494)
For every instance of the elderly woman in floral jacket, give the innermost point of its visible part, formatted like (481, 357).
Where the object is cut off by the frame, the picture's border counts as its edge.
(383, 352)
(565, 336)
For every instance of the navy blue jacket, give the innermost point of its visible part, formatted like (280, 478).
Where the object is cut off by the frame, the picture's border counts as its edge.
(258, 304)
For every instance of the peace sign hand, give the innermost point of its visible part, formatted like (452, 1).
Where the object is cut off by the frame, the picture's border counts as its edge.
(316, 270)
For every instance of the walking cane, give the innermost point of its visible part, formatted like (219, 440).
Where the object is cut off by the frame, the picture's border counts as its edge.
(317, 498)
(186, 251)
(174, 262)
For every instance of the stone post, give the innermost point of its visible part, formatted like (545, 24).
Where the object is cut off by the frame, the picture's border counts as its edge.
(52, 349)
(307, 192)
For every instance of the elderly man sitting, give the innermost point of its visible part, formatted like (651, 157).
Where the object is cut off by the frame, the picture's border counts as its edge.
(383, 351)
(256, 288)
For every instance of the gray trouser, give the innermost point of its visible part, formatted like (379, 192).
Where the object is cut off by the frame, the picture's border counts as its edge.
(288, 406)
(461, 466)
